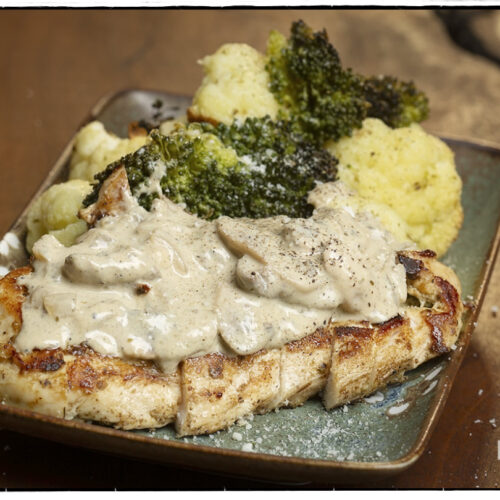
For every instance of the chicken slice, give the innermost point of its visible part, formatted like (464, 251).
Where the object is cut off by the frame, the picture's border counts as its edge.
(218, 389)
(367, 357)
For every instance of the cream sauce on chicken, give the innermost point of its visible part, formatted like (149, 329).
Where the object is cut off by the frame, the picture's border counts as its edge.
(165, 285)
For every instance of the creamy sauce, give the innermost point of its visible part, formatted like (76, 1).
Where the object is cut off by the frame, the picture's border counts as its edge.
(165, 285)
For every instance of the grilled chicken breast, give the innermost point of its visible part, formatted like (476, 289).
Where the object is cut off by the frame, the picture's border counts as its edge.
(342, 361)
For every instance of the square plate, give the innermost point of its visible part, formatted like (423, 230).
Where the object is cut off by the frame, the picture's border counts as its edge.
(379, 435)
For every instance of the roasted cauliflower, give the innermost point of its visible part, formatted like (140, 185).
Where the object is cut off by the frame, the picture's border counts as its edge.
(56, 213)
(408, 170)
(95, 149)
(236, 86)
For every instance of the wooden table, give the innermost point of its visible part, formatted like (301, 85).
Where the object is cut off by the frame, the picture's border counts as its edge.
(56, 64)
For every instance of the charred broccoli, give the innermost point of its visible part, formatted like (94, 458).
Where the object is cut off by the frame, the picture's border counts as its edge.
(251, 169)
(282, 167)
(324, 101)
(321, 99)
(396, 103)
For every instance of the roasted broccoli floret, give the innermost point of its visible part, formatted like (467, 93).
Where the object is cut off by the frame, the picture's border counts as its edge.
(283, 168)
(200, 171)
(322, 100)
(396, 103)
(185, 166)
(250, 169)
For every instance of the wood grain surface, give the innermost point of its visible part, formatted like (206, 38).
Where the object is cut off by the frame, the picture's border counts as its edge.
(55, 65)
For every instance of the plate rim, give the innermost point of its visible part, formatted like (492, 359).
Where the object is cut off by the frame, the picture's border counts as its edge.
(9, 413)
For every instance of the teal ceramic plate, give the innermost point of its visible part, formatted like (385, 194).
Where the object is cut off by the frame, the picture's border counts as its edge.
(379, 435)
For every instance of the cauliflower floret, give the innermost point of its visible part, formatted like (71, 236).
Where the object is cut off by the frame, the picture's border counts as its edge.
(95, 149)
(408, 170)
(56, 212)
(236, 86)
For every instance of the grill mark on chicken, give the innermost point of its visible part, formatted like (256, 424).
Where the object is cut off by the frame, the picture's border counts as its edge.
(81, 375)
(322, 337)
(412, 266)
(12, 296)
(41, 360)
(439, 321)
(354, 337)
(428, 254)
(390, 324)
(216, 367)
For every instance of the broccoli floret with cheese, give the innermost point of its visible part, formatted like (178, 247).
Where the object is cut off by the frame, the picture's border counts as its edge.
(250, 169)
(235, 86)
(56, 212)
(408, 170)
(282, 166)
(95, 148)
(396, 103)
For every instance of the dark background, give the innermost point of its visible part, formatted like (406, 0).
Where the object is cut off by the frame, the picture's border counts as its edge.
(56, 64)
